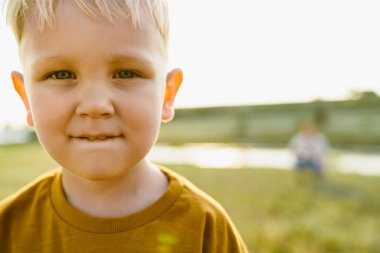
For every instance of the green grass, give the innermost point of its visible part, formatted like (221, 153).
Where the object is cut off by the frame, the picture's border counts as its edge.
(272, 212)
(21, 163)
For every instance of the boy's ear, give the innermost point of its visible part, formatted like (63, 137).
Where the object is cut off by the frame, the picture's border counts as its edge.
(173, 82)
(19, 86)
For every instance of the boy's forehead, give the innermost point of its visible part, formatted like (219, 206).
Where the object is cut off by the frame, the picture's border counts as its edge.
(134, 16)
(63, 37)
(67, 16)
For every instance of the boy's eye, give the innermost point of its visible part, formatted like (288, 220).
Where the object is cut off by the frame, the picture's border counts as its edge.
(125, 74)
(62, 75)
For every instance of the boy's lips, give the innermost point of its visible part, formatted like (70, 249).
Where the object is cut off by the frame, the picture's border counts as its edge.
(96, 137)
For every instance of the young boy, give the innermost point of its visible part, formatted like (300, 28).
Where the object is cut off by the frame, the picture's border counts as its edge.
(95, 89)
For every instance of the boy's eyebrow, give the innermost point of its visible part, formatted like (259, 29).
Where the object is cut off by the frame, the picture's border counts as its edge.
(138, 59)
(36, 61)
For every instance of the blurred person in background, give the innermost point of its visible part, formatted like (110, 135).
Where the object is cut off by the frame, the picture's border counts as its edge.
(309, 147)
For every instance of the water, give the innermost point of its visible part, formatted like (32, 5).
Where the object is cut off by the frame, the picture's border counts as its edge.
(227, 156)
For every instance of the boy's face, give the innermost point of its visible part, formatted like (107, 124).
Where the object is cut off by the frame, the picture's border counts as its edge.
(95, 91)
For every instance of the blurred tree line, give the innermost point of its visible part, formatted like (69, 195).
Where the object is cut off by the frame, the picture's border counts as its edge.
(354, 121)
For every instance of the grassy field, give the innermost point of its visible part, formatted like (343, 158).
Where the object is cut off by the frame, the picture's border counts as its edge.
(273, 213)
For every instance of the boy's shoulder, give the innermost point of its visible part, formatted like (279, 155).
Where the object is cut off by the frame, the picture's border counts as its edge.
(198, 212)
(194, 199)
(28, 195)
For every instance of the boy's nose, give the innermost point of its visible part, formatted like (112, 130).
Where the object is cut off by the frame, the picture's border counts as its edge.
(95, 101)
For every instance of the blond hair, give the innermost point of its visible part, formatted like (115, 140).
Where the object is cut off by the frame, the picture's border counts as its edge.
(16, 12)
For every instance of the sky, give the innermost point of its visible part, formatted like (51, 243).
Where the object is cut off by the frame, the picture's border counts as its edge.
(254, 52)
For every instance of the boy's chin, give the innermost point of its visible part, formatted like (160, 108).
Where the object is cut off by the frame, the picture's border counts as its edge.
(95, 173)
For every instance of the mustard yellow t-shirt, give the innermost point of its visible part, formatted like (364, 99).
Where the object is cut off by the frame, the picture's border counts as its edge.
(40, 219)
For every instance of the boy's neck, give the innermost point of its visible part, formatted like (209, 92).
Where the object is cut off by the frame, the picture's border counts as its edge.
(130, 193)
